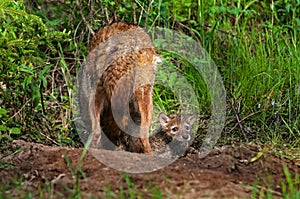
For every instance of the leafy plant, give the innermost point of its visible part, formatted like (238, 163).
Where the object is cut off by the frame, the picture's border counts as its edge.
(25, 49)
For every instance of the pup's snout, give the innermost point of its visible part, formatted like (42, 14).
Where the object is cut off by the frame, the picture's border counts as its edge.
(186, 137)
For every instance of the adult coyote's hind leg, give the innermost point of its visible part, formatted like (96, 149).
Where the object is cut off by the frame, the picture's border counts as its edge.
(95, 109)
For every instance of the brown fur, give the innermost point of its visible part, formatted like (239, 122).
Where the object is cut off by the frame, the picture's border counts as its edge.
(122, 62)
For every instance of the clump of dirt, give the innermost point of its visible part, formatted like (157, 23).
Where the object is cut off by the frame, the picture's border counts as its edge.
(223, 173)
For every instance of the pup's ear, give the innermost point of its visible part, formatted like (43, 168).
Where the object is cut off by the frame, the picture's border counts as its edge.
(163, 119)
(192, 118)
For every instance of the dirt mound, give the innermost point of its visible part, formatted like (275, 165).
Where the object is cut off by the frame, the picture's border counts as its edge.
(224, 173)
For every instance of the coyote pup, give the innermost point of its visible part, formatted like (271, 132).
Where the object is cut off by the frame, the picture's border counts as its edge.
(122, 64)
(174, 134)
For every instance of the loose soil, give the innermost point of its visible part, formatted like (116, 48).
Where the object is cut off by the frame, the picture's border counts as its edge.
(56, 172)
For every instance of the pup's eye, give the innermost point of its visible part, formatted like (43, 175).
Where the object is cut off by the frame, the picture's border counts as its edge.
(174, 129)
(187, 127)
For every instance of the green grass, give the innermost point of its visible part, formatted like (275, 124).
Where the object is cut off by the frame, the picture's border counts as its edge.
(258, 58)
(263, 77)
(290, 188)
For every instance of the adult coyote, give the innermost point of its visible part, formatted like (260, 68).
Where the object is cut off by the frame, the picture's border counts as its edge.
(121, 70)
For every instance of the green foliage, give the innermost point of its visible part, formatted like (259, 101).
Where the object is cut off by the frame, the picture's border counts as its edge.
(25, 49)
(255, 46)
(290, 187)
(261, 74)
(176, 83)
(131, 191)
(4, 127)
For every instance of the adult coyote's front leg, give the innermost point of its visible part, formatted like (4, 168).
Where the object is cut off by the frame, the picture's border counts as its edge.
(144, 99)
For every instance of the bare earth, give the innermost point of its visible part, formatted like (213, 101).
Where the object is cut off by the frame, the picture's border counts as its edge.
(225, 173)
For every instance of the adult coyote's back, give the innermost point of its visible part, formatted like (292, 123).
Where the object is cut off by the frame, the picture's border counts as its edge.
(120, 70)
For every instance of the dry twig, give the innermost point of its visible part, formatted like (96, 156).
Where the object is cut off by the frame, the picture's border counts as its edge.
(84, 19)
